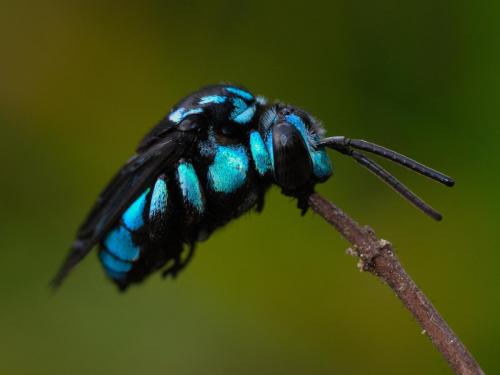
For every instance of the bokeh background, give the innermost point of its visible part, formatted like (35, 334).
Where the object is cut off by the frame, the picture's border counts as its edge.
(81, 81)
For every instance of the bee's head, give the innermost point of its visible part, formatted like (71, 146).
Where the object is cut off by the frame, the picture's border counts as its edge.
(290, 135)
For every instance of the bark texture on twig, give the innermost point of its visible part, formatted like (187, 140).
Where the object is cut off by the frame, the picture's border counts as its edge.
(378, 257)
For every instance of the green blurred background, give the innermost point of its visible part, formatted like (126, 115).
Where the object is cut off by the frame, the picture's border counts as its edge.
(81, 81)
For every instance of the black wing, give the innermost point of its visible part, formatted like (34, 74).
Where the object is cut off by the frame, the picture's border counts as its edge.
(155, 135)
(136, 175)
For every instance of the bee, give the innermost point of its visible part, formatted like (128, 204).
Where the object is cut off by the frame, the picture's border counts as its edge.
(210, 160)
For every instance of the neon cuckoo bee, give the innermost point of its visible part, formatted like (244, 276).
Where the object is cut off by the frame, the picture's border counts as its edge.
(211, 159)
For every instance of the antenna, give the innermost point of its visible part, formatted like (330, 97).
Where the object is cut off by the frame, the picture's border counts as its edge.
(346, 145)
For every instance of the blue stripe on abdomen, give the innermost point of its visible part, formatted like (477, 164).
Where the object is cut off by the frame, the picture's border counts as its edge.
(119, 243)
(116, 266)
(229, 170)
(159, 198)
(190, 186)
(133, 217)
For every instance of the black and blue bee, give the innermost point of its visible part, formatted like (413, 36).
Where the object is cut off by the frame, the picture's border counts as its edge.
(209, 161)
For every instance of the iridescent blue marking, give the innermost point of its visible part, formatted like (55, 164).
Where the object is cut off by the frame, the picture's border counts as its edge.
(176, 116)
(242, 113)
(159, 198)
(300, 126)
(190, 186)
(322, 167)
(259, 153)
(113, 265)
(269, 146)
(239, 106)
(119, 243)
(246, 116)
(181, 113)
(321, 163)
(192, 112)
(228, 172)
(133, 218)
(241, 93)
(217, 99)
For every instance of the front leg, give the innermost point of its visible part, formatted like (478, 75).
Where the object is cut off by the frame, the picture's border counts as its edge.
(303, 204)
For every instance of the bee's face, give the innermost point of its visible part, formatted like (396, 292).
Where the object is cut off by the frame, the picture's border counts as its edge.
(291, 135)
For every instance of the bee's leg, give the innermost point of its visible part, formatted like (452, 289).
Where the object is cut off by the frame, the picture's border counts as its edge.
(302, 204)
(179, 263)
(303, 199)
(260, 204)
(260, 200)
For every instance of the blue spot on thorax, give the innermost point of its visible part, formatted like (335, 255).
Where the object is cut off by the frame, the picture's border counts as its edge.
(216, 99)
(229, 170)
(176, 116)
(242, 112)
(159, 198)
(260, 154)
(181, 113)
(190, 186)
(239, 92)
(132, 217)
(119, 243)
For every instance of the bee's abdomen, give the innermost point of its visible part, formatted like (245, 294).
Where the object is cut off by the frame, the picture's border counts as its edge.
(183, 206)
(119, 250)
(152, 230)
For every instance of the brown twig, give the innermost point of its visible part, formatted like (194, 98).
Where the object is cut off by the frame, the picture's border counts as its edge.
(378, 257)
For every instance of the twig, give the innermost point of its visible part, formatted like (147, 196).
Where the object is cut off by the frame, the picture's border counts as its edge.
(378, 257)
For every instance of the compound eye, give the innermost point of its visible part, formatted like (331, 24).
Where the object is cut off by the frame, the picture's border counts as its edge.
(293, 166)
